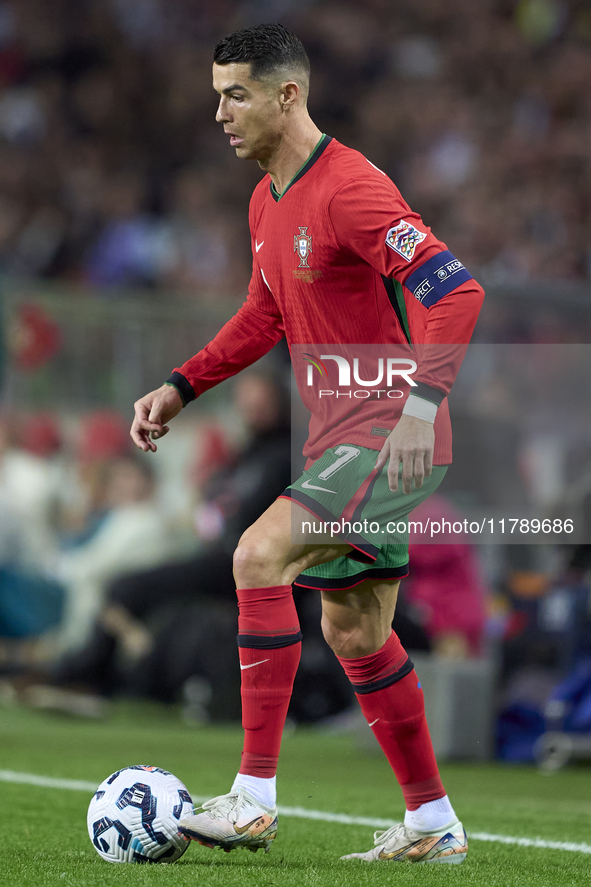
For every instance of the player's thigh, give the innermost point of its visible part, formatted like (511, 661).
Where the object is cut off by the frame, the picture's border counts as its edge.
(271, 538)
(358, 620)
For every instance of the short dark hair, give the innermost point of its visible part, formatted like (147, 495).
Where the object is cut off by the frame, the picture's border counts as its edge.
(267, 47)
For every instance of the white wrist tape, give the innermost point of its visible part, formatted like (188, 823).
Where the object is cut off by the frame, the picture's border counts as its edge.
(420, 408)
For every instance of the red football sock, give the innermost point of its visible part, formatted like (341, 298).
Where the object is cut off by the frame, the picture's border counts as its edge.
(391, 700)
(269, 641)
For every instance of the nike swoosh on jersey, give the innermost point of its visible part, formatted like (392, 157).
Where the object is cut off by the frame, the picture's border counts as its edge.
(308, 486)
(252, 664)
(257, 246)
(373, 722)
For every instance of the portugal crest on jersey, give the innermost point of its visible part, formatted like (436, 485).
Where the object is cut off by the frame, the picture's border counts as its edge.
(403, 239)
(302, 245)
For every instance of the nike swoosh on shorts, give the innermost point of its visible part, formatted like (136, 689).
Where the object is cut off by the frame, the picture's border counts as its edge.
(308, 486)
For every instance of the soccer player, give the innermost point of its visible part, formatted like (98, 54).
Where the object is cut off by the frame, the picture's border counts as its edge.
(338, 257)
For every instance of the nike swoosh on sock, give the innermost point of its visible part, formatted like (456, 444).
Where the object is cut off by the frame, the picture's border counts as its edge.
(252, 664)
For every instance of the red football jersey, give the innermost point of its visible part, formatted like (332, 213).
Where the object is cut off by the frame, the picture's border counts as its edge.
(341, 261)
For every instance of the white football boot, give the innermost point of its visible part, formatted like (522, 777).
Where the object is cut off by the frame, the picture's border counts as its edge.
(231, 821)
(403, 844)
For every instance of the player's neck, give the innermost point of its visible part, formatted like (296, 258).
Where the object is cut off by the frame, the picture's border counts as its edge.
(296, 146)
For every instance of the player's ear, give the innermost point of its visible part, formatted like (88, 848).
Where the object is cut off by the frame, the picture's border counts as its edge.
(289, 93)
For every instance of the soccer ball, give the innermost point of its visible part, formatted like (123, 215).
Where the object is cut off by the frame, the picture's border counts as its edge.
(134, 816)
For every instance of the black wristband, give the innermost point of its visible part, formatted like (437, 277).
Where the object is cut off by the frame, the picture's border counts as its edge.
(183, 386)
(427, 392)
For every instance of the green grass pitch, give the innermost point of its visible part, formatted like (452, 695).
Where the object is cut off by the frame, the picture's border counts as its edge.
(43, 838)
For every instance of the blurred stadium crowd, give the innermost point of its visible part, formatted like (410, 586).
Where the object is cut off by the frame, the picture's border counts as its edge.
(113, 172)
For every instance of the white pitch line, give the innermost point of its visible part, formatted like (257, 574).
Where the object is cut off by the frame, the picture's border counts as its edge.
(304, 813)
(78, 785)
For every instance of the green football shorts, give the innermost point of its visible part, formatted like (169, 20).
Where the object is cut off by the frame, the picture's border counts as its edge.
(349, 501)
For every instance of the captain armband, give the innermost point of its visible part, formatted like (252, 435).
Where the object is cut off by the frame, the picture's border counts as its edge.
(436, 278)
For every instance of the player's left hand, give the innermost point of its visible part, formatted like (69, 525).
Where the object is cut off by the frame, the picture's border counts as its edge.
(151, 413)
(411, 443)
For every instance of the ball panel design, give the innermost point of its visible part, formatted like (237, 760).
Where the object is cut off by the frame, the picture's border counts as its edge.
(134, 813)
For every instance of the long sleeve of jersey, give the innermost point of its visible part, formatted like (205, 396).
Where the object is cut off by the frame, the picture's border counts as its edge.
(440, 300)
(252, 332)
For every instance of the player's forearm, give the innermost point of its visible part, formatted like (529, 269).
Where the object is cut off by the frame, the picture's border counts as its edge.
(244, 339)
(451, 320)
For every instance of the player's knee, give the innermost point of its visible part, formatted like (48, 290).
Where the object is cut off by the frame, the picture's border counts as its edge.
(253, 561)
(346, 642)
(331, 634)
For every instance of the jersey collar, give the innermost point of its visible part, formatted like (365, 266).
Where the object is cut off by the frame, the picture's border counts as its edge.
(322, 144)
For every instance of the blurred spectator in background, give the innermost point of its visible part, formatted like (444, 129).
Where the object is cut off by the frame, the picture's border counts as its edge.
(196, 253)
(250, 479)
(128, 251)
(132, 534)
(31, 475)
(101, 438)
(445, 590)
(67, 527)
(545, 656)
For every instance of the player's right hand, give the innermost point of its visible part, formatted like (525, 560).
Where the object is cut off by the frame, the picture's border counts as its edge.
(411, 445)
(152, 412)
